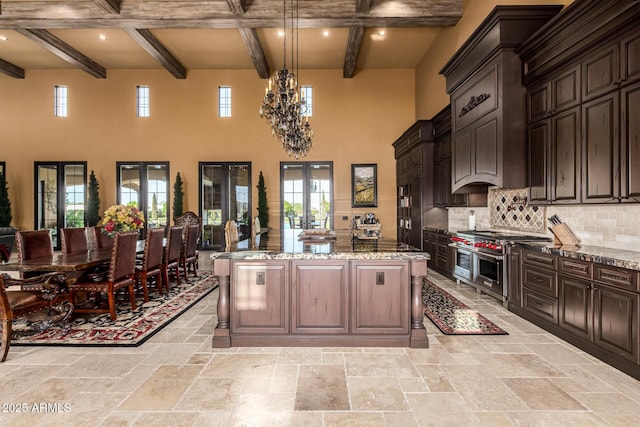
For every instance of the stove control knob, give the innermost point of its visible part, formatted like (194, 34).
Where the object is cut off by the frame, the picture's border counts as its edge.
(492, 246)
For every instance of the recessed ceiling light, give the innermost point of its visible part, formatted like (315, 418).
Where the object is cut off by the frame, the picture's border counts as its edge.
(381, 33)
(325, 33)
(102, 36)
(280, 33)
(3, 38)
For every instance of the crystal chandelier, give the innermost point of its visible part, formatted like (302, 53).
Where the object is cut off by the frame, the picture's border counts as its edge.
(282, 107)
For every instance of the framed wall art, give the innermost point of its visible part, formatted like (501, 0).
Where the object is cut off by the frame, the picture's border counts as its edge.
(364, 185)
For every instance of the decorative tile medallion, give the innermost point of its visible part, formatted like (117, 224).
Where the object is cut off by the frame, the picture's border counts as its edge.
(509, 209)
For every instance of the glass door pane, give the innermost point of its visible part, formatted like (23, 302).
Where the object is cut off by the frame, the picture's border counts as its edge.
(74, 200)
(129, 192)
(157, 194)
(320, 196)
(47, 200)
(239, 199)
(211, 179)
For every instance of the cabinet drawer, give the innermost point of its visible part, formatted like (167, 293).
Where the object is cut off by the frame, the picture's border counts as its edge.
(540, 259)
(615, 276)
(575, 267)
(541, 305)
(545, 282)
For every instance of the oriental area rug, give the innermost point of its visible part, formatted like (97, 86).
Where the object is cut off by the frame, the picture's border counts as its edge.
(452, 316)
(130, 329)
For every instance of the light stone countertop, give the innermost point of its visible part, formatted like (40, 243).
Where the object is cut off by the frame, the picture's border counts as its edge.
(285, 245)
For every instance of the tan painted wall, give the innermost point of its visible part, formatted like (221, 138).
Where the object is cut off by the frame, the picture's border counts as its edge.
(355, 121)
(431, 93)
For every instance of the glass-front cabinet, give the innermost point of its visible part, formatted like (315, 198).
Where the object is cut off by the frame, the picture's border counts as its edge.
(225, 194)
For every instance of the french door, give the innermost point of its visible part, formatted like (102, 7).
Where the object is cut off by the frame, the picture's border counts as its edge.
(60, 196)
(145, 185)
(225, 194)
(307, 197)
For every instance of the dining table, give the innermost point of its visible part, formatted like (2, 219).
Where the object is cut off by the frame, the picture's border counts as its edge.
(66, 262)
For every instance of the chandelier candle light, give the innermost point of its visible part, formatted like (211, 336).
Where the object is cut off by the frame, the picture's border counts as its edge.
(283, 107)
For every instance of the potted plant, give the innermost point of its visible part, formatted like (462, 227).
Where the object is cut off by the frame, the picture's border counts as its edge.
(177, 197)
(7, 233)
(263, 209)
(93, 201)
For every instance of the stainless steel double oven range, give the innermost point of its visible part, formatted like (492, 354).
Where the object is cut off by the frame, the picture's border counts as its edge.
(480, 259)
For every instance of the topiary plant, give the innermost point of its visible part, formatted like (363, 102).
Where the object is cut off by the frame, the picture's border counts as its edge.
(93, 201)
(178, 194)
(263, 209)
(5, 203)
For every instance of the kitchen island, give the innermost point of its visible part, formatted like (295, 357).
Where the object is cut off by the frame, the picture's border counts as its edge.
(326, 291)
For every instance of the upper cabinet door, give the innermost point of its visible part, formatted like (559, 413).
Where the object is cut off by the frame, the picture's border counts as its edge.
(630, 47)
(600, 152)
(601, 72)
(630, 144)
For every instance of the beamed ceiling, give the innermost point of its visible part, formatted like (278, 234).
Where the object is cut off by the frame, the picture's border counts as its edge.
(180, 35)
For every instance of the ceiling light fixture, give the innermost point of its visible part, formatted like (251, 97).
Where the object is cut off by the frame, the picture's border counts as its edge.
(325, 33)
(283, 107)
(4, 38)
(102, 37)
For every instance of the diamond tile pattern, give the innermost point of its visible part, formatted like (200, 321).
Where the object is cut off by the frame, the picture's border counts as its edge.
(509, 210)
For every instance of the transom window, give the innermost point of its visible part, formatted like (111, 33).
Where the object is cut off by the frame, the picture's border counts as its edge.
(60, 101)
(306, 93)
(224, 101)
(142, 96)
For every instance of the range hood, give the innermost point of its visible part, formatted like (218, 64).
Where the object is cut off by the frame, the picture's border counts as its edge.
(488, 101)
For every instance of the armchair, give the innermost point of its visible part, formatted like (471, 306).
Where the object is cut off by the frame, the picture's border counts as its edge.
(20, 303)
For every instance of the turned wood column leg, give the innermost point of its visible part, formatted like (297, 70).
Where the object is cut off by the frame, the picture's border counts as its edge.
(417, 306)
(223, 302)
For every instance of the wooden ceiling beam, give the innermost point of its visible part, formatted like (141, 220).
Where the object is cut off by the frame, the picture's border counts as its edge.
(11, 70)
(61, 14)
(236, 6)
(109, 6)
(251, 41)
(61, 49)
(160, 53)
(356, 33)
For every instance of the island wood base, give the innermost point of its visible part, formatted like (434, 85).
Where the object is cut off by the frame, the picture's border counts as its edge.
(320, 303)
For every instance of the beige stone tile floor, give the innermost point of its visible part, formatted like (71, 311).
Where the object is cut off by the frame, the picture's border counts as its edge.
(526, 378)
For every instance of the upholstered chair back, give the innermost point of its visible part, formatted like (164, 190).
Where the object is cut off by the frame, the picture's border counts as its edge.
(73, 239)
(34, 244)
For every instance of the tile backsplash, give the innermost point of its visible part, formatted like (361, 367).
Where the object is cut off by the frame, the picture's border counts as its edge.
(611, 226)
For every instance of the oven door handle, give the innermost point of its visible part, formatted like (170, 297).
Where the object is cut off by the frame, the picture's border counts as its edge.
(475, 251)
(494, 257)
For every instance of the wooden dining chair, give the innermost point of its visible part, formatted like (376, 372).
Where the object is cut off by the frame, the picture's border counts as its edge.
(15, 304)
(171, 259)
(189, 253)
(100, 239)
(33, 244)
(73, 239)
(121, 275)
(255, 232)
(231, 236)
(150, 266)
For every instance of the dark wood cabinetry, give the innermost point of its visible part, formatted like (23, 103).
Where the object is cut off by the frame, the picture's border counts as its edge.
(581, 73)
(436, 243)
(443, 196)
(591, 305)
(487, 100)
(415, 158)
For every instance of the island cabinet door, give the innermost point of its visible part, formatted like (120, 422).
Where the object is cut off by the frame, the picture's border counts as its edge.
(260, 297)
(319, 297)
(380, 297)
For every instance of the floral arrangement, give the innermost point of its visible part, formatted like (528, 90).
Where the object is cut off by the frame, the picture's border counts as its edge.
(122, 218)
